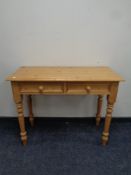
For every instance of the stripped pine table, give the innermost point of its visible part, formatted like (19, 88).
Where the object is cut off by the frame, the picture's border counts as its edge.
(99, 81)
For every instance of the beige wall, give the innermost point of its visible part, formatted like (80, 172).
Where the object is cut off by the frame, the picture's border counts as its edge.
(67, 33)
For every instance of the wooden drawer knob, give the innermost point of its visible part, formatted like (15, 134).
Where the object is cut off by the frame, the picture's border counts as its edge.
(88, 88)
(41, 88)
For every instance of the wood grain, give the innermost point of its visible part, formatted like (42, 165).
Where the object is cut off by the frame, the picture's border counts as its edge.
(65, 74)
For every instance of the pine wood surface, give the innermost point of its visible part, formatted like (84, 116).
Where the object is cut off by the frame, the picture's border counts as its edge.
(65, 74)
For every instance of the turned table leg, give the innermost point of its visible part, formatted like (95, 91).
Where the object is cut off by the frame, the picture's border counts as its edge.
(31, 117)
(18, 98)
(105, 134)
(99, 109)
(21, 120)
(111, 98)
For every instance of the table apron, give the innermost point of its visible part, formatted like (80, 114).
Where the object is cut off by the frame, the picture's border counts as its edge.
(66, 88)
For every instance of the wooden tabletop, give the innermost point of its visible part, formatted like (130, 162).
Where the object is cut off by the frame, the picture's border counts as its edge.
(65, 74)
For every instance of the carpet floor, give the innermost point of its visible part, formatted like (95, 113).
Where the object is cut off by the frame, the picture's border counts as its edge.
(65, 147)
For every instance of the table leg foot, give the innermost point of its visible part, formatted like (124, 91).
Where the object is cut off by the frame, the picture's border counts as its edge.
(104, 142)
(24, 142)
(31, 120)
(105, 138)
(23, 137)
(98, 120)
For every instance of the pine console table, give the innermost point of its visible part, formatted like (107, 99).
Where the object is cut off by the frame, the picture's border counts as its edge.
(98, 81)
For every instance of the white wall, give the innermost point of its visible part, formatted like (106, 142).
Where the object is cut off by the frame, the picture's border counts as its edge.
(67, 33)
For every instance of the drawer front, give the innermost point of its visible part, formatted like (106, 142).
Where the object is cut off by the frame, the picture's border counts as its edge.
(88, 88)
(41, 88)
(64, 88)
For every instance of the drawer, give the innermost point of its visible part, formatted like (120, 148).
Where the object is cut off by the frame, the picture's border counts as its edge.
(88, 88)
(41, 88)
(64, 88)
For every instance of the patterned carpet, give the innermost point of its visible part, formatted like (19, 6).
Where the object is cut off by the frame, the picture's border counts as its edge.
(65, 147)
